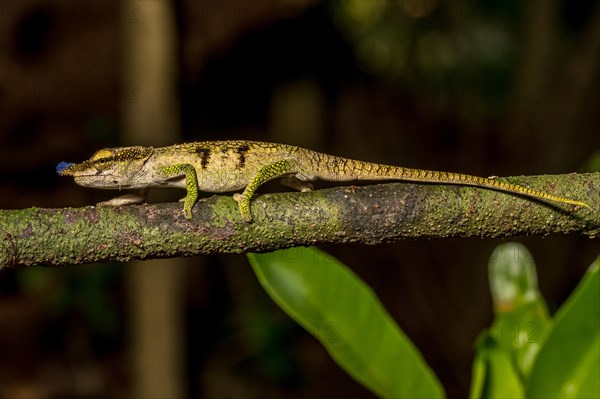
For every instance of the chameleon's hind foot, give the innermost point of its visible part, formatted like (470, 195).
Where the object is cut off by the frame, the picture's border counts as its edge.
(244, 206)
(188, 204)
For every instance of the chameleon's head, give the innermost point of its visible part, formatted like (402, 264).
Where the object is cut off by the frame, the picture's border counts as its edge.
(111, 168)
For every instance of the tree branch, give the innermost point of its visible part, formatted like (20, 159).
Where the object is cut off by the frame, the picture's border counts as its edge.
(369, 214)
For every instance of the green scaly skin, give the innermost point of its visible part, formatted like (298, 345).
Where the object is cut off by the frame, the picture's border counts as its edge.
(222, 166)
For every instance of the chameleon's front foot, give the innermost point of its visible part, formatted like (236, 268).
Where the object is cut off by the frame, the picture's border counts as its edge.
(188, 204)
(244, 206)
(191, 185)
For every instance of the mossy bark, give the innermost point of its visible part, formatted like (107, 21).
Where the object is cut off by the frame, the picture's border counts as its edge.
(370, 214)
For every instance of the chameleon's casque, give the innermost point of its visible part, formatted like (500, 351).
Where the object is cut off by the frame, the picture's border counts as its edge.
(221, 166)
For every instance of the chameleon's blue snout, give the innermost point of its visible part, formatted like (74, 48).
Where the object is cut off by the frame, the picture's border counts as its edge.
(61, 167)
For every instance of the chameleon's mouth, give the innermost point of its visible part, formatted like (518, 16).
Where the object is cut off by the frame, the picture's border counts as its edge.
(75, 169)
(104, 181)
(88, 176)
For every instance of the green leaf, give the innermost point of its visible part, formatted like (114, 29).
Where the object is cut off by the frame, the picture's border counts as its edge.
(494, 374)
(568, 364)
(521, 315)
(506, 351)
(343, 313)
(513, 278)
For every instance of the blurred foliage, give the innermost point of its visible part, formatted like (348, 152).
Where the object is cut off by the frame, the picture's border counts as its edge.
(521, 312)
(344, 314)
(527, 354)
(524, 354)
(568, 364)
(461, 52)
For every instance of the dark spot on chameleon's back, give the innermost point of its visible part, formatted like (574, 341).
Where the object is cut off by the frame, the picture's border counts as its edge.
(204, 154)
(241, 151)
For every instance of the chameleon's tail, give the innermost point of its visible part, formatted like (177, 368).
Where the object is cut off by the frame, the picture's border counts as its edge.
(357, 170)
(459, 178)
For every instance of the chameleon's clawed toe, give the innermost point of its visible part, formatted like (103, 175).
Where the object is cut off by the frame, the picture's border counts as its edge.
(247, 216)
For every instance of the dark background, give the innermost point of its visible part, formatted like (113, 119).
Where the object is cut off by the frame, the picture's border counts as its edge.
(486, 88)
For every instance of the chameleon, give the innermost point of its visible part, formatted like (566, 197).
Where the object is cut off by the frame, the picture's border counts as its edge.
(226, 166)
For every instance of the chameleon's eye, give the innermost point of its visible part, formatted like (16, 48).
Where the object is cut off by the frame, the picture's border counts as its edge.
(102, 159)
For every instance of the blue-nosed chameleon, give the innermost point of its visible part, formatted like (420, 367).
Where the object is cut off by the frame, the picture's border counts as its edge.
(222, 166)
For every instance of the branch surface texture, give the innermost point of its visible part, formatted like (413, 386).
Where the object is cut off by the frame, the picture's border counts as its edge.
(371, 214)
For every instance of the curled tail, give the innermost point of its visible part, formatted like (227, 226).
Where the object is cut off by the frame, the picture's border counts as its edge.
(342, 169)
